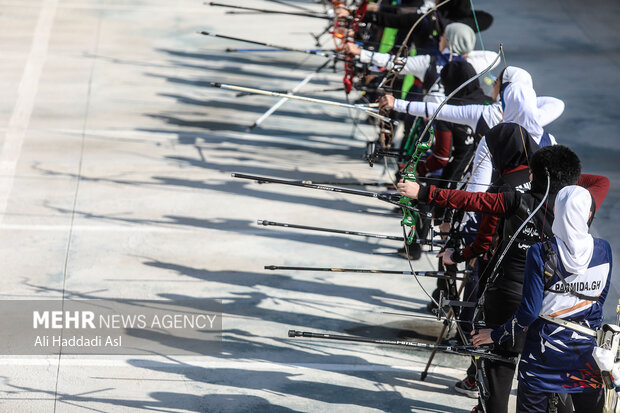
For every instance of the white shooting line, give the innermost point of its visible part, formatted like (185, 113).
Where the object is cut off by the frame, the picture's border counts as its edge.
(26, 94)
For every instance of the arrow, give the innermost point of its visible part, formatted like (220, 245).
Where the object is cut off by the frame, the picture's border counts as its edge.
(282, 101)
(432, 274)
(364, 108)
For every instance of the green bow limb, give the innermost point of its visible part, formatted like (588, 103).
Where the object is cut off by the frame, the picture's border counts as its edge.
(410, 218)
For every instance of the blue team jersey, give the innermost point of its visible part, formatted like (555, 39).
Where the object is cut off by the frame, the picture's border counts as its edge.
(557, 359)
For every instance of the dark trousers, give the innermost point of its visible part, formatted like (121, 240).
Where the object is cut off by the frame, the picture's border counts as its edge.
(529, 401)
(500, 376)
(499, 306)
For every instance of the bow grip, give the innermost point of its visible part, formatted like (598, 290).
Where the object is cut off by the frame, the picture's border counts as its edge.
(348, 85)
(409, 220)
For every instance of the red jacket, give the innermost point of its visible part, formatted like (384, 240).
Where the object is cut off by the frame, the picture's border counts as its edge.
(494, 205)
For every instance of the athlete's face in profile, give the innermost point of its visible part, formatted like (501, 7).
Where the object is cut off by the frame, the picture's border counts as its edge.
(443, 43)
(496, 89)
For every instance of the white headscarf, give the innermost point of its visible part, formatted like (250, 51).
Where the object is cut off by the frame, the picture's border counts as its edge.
(513, 74)
(570, 227)
(521, 107)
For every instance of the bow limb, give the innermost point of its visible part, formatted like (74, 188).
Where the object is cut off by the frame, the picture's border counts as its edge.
(345, 34)
(421, 147)
(493, 274)
(403, 49)
(458, 89)
(409, 169)
(386, 129)
(349, 68)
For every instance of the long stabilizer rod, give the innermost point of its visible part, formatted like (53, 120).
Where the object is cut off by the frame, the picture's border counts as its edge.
(294, 6)
(272, 50)
(343, 183)
(290, 13)
(432, 274)
(364, 108)
(387, 197)
(290, 49)
(345, 232)
(265, 179)
(463, 350)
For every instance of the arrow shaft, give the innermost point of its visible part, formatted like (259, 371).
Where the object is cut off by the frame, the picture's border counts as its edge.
(333, 89)
(282, 101)
(432, 274)
(364, 109)
(431, 318)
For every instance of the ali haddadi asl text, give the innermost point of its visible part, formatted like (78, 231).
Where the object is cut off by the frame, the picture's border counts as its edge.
(78, 341)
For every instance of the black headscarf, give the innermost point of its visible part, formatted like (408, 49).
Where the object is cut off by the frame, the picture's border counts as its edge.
(510, 146)
(456, 73)
(461, 11)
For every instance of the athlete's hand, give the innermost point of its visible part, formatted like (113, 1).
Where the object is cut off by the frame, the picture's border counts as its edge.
(408, 188)
(372, 7)
(444, 227)
(483, 337)
(341, 12)
(386, 102)
(446, 256)
(352, 49)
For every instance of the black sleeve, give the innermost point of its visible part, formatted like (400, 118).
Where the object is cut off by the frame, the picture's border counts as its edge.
(398, 21)
(511, 201)
(389, 9)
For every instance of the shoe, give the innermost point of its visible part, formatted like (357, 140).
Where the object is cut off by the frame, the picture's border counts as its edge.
(468, 387)
(415, 252)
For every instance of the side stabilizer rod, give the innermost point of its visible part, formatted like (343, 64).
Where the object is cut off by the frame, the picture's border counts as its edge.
(421, 241)
(465, 350)
(432, 274)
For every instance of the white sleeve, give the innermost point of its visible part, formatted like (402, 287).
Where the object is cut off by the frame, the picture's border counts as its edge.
(481, 59)
(416, 65)
(464, 115)
(428, 4)
(378, 59)
(549, 109)
(493, 115)
(482, 171)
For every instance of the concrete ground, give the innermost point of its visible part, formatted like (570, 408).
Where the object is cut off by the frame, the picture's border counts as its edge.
(115, 183)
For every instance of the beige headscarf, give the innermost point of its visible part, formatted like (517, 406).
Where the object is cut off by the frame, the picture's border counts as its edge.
(461, 38)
